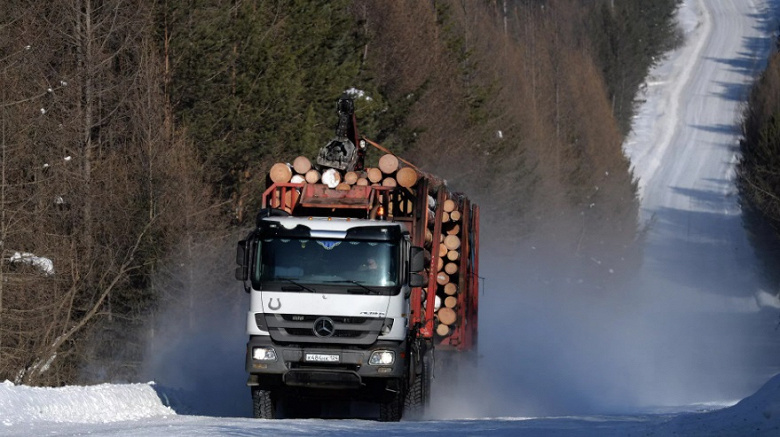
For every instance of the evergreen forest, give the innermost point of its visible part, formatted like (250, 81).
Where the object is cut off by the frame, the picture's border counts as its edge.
(758, 168)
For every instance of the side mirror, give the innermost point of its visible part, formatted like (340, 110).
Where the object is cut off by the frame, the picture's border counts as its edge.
(242, 271)
(417, 259)
(417, 280)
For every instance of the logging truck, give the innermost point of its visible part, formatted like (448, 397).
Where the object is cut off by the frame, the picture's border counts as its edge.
(357, 276)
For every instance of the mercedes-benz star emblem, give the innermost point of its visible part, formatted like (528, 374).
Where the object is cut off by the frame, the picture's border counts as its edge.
(324, 327)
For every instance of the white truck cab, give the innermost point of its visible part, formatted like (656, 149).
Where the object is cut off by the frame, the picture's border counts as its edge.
(328, 307)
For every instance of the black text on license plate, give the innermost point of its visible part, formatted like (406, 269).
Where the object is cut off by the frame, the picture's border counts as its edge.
(323, 358)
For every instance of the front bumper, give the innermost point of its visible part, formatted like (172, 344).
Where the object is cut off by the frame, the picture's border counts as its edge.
(291, 367)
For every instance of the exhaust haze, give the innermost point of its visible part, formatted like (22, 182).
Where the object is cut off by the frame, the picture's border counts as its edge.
(552, 342)
(196, 350)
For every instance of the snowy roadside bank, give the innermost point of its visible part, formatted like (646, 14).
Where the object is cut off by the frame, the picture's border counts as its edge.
(102, 403)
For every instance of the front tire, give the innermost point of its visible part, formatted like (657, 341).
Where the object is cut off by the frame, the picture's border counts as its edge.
(392, 410)
(263, 404)
(419, 395)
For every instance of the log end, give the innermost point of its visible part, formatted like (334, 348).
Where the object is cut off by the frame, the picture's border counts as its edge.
(280, 173)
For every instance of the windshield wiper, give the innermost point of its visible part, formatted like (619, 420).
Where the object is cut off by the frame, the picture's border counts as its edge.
(359, 284)
(309, 289)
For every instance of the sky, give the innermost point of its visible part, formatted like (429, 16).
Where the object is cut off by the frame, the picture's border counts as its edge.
(689, 345)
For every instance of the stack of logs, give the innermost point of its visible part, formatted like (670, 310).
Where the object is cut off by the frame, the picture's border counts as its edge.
(447, 267)
(389, 173)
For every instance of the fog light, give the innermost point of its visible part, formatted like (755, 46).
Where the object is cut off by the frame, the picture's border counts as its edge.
(381, 358)
(264, 354)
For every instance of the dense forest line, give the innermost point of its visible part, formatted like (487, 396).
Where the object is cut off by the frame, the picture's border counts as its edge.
(758, 169)
(135, 136)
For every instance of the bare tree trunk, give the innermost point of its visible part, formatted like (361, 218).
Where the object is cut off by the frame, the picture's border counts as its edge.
(3, 228)
(84, 35)
(506, 28)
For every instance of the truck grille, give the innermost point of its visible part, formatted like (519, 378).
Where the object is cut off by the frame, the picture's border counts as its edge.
(298, 328)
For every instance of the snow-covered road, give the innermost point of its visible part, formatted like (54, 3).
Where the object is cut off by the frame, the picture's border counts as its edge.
(135, 410)
(684, 150)
(696, 326)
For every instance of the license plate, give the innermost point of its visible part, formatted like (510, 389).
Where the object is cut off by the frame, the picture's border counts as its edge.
(322, 358)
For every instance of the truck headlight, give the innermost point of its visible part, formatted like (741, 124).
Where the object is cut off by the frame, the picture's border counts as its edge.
(381, 358)
(263, 354)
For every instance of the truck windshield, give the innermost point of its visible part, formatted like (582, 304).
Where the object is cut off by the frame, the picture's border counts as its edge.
(327, 264)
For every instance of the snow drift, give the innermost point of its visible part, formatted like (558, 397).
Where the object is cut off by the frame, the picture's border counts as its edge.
(93, 404)
(758, 414)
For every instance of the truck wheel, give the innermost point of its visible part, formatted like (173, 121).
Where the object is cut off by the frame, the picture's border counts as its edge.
(263, 404)
(392, 410)
(419, 395)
